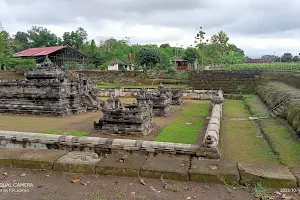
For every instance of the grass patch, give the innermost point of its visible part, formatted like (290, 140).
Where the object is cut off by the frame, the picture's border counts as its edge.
(244, 143)
(71, 132)
(180, 132)
(235, 109)
(244, 95)
(199, 110)
(283, 142)
(113, 85)
(256, 106)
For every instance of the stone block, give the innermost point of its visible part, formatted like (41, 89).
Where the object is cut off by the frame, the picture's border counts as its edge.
(39, 158)
(120, 165)
(269, 175)
(77, 162)
(9, 155)
(171, 166)
(214, 171)
(296, 173)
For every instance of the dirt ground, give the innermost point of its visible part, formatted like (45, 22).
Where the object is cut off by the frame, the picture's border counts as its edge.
(48, 185)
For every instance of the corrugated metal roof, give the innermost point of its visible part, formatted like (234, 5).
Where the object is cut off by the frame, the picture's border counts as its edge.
(178, 59)
(43, 51)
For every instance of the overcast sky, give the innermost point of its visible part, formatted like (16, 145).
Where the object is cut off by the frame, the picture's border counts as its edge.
(257, 26)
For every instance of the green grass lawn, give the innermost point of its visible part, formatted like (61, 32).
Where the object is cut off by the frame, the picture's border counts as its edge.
(235, 109)
(197, 110)
(283, 142)
(71, 132)
(244, 143)
(256, 106)
(182, 130)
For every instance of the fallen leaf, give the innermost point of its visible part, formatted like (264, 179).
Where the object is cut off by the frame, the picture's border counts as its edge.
(22, 175)
(75, 180)
(141, 180)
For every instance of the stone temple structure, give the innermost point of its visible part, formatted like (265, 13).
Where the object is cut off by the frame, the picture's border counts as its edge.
(48, 90)
(161, 101)
(177, 96)
(125, 119)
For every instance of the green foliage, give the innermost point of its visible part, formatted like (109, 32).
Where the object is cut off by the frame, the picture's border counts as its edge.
(149, 56)
(259, 191)
(39, 37)
(265, 66)
(217, 50)
(191, 54)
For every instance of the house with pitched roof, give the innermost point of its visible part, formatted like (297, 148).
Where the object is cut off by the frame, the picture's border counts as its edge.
(57, 54)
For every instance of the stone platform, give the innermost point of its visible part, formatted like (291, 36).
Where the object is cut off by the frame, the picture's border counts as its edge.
(170, 166)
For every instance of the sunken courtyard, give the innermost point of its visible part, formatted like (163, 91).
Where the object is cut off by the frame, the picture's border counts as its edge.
(214, 126)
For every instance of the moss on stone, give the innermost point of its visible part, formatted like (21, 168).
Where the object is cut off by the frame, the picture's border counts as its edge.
(74, 168)
(166, 175)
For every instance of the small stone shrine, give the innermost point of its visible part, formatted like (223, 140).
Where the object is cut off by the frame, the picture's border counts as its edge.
(125, 119)
(161, 100)
(50, 91)
(177, 96)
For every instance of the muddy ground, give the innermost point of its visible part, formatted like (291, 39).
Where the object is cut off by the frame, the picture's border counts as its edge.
(48, 185)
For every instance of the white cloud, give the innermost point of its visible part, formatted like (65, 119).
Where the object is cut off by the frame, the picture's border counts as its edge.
(256, 26)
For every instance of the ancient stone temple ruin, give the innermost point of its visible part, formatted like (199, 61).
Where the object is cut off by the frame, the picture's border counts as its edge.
(177, 96)
(125, 119)
(48, 90)
(161, 100)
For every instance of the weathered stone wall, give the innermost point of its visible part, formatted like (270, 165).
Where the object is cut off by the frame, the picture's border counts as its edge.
(244, 81)
(275, 93)
(228, 81)
(187, 94)
(13, 139)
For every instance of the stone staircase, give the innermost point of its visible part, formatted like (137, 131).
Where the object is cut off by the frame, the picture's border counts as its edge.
(277, 108)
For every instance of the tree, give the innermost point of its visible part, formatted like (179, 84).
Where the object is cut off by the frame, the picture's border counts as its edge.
(41, 37)
(221, 39)
(191, 55)
(149, 56)
(296, 59)
(273, 57)
(21, 41)
(287, 57)
(75, 39)
(165, 45)
(232, 58)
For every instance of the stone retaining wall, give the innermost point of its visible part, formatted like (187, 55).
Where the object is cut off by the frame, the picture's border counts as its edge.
(151, 166)
(187, 94)
(240, 81)
(209, 148)
(275, 93)
(13, 139)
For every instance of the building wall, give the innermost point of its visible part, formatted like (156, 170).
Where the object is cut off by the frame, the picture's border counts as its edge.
(114, 67)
